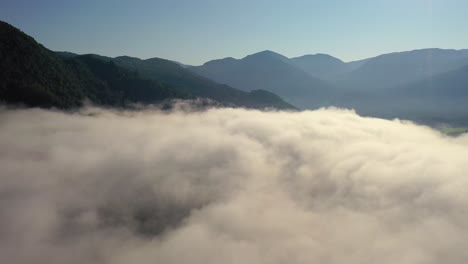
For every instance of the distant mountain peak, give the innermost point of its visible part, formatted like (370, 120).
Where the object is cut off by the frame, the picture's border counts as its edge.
(266, 54)
(125, 57)
(319, 56)
(224, 60)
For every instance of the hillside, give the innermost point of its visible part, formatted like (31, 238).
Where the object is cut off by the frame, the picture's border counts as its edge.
(35, 76)
(32, 75)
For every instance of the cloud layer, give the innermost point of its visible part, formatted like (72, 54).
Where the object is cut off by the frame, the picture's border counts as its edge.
(229, 186)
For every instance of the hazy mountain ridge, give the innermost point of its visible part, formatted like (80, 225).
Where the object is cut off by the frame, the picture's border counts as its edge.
(424, 85)
(411, 65)
(396, 69)
(269, 71)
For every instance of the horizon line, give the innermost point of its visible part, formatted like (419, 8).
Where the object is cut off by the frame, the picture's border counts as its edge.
(267, 50)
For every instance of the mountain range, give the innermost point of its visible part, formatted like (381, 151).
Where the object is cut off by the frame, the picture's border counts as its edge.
(428, 85)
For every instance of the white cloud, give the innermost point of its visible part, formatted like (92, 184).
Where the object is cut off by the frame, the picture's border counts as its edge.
(229, 186)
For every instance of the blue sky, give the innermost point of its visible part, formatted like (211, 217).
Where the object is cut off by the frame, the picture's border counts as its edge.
(195, 31)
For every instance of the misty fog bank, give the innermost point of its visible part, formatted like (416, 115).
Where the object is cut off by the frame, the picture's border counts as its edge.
(229, 186)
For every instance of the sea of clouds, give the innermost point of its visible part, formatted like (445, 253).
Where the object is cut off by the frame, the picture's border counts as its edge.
(229, 186)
